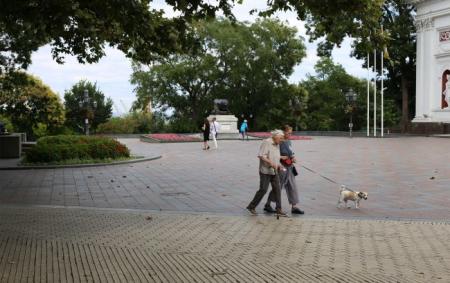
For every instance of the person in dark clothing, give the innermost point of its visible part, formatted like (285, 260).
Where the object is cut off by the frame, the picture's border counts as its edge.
(206, 132)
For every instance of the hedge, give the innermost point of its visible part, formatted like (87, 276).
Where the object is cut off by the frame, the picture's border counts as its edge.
(67, 147)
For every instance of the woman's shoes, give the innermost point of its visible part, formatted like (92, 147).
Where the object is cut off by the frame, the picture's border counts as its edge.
(296, 210)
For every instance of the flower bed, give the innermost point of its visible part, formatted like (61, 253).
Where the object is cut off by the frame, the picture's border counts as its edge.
(268, 135)
(172, 138)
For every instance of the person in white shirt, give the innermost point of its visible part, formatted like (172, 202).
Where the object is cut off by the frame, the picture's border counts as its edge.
(215, 128)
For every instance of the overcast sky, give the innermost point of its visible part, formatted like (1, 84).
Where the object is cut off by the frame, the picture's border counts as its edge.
(112, 72)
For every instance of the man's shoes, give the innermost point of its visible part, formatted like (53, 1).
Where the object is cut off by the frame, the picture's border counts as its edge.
(297, 210)
(252, 211)
(281, 213)
(269, 209)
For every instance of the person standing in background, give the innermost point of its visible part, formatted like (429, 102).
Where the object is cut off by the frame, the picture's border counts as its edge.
(244, 129)
(215, 128)
(206, 133)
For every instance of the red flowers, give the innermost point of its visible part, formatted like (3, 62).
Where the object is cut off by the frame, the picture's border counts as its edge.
(173, 138)
(267, 135)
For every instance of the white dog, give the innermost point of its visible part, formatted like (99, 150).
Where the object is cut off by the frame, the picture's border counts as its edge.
(347, 194)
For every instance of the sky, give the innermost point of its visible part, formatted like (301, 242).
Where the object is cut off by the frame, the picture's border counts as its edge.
(112, 73)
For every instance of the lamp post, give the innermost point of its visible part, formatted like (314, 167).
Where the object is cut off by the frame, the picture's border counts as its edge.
(350, 96)
(86, 102)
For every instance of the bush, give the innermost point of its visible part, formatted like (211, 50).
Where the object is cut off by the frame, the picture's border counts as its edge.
(118, 125)
(60, 148)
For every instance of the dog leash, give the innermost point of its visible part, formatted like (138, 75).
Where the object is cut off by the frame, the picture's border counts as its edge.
(317, 173)
(324, 177)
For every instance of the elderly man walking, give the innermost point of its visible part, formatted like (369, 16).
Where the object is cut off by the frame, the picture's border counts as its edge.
(269, 165)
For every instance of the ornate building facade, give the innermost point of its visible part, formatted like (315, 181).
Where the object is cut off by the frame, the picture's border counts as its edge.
(433, 64)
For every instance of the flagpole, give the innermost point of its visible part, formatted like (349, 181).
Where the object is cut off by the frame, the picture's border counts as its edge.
(368, 94)
(375, 93)
(382, 94)
(382, 88)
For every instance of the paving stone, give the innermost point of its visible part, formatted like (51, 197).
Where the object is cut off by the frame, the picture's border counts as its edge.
(79, 245)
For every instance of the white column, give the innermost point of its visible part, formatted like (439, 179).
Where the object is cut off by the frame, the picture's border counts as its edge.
(419, 74)
(368, 94)
(382, 93)
(375, 93)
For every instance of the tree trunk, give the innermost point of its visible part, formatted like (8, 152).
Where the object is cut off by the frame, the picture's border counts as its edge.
(405, 108)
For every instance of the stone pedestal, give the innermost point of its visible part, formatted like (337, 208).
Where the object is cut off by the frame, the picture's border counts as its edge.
(10, 146)
(228, 126)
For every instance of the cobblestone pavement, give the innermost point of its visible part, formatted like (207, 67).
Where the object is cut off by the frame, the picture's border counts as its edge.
(405, 178)
(94, 245)
(182, 218)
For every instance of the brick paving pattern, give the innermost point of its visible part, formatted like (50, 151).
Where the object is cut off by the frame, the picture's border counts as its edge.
(74, 225)
(76, 245)
(405, 178)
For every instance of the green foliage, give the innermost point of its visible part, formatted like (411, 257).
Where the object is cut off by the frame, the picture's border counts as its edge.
(327, 108)
(83, 28)
(9, 127)
(98, 109)
(60, 148)
(28, 103)
(133, 123)
(246, 63)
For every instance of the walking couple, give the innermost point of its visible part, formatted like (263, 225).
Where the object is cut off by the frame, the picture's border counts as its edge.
(210, 129)
(276, 167)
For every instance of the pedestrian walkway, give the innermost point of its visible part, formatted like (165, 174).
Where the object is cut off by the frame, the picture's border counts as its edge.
(93, 245)
(182, 218)
(405, 178)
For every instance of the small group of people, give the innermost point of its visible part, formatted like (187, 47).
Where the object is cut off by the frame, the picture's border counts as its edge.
(276, 167)
(210, 129)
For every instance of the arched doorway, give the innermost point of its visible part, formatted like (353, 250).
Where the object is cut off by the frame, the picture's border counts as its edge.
(445, 89)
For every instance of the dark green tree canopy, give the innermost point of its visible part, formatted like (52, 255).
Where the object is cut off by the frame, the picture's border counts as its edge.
(98, 109)
(84, 27)
(248, 64)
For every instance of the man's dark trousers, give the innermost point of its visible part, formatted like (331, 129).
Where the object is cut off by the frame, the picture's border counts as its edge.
(264, 181)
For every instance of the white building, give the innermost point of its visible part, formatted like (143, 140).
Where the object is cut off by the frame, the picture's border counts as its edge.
(433, 62)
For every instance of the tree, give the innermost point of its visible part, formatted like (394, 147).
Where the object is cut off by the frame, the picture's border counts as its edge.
(98, 109)
(246, 63)
(327, 107)
(83, 28)
(30, 104)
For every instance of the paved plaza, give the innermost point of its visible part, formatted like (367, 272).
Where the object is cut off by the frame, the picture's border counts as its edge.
(182, 218)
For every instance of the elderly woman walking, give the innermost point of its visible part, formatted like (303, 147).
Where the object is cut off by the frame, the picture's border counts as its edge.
(269, 167)
(287, 178)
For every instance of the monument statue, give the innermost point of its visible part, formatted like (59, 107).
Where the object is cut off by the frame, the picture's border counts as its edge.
(221, 107)
(226, 120)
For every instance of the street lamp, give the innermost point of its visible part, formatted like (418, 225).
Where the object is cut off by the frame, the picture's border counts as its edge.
(85, 102)
(350, 96)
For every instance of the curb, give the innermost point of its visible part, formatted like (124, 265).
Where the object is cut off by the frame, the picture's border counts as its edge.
(138, 160)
